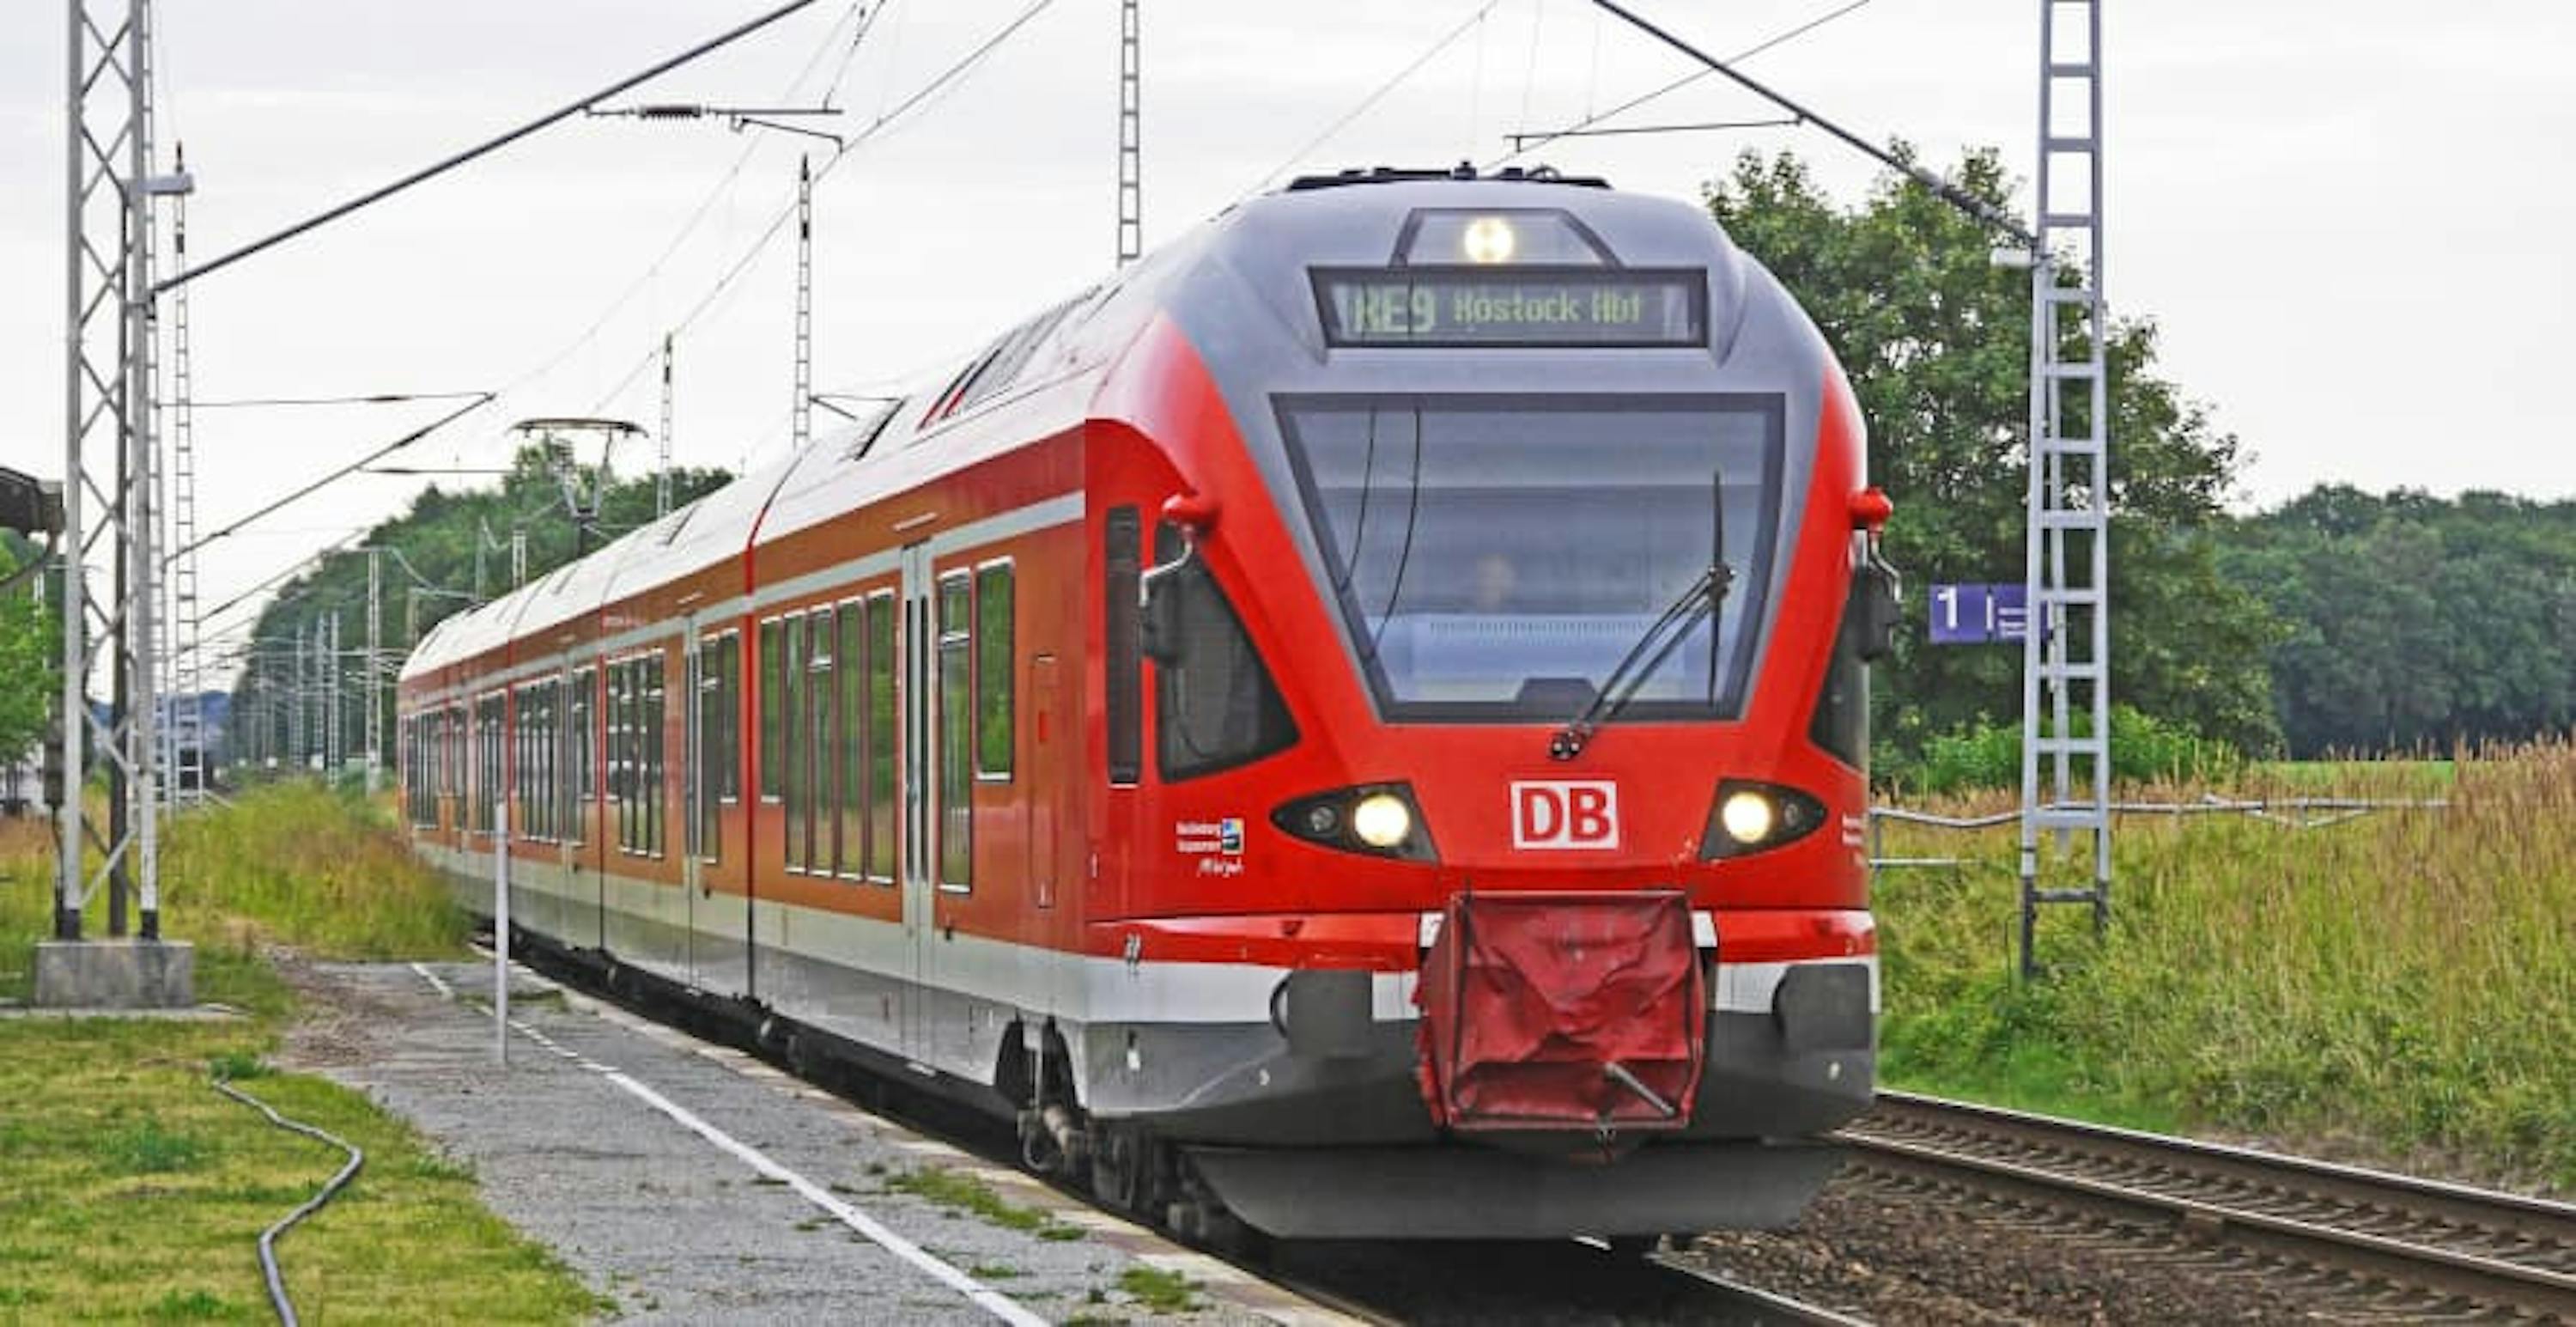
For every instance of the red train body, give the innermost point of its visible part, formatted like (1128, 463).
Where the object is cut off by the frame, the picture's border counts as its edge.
(1198, 728)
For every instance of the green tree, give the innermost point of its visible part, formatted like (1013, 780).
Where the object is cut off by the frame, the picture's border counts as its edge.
(30, 654)
(1936, 340)
(2415, 622)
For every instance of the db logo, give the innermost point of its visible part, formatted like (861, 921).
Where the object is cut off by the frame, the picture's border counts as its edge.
(1565, 813)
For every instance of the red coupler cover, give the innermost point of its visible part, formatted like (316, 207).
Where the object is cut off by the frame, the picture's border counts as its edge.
(1561, 1010)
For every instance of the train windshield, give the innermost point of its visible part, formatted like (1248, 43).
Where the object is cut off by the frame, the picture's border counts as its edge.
(1496, 557)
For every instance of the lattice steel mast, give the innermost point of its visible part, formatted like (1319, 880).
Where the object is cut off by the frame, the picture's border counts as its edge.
(2066, 663)
(109, 461)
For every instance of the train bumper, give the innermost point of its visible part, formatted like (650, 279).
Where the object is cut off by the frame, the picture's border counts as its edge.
(1334, 1057)
(1455, 1191)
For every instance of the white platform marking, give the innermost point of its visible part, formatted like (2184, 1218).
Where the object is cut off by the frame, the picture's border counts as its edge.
(990, 1300)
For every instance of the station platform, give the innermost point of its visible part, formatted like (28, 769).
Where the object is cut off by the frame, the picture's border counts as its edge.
(689, 1182)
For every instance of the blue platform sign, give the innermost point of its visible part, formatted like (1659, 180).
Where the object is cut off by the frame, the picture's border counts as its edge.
(1972, 614)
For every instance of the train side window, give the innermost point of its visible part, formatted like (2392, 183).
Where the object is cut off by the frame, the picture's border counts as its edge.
(729, 718)
(460, 735)
(848, 743)
(489, 763)
(773, 699)
(994, 730)
(581, 739)
(715, 749)
(1840, 724)
(817, 755)
(620, 773)
(956, 731)
(1123, 677)
(523, 727)
(1215, 706)
(881, 738)
(654, 734)
(797, 789)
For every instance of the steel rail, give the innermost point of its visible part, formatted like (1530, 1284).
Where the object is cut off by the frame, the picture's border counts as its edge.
(1759, 1305)
(2492, 1247)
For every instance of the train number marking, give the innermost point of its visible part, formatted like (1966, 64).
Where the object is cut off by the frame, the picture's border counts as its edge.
(1565, 814)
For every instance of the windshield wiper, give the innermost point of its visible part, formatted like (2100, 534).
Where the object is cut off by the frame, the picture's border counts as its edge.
(1701, 600)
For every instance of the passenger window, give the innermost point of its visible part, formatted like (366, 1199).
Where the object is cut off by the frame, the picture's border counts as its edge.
(816, 758)
(956, 732)
(1215, 705)
(791, 748)
(1123, 676)
(848, 744)
(994, 733)
(773, 700)
(881, 738)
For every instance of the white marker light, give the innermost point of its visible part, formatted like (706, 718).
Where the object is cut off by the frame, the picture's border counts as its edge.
(1488, 240)
(1747, 816)
(1382, 820)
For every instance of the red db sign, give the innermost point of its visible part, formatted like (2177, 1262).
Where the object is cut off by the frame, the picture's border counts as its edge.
(1565, 813)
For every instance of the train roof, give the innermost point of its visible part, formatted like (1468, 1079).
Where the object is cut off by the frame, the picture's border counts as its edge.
(1042, 374)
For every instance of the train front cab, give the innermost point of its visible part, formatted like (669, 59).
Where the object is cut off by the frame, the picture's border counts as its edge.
(1376, 588)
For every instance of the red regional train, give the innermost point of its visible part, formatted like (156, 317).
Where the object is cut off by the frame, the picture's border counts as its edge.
(1355, 725)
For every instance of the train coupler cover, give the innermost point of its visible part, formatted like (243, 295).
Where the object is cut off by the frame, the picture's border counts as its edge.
(1563, 1011)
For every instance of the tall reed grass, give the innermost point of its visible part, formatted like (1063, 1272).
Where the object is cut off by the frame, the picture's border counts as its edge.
(2406, 980)
(291, 863)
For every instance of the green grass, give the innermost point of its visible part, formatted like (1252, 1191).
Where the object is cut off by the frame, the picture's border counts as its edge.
(1158, 1290)
(2405, 981)
(964, 1192)
(136, 1192)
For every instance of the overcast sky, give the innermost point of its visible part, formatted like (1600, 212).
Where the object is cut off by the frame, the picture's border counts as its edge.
(2351, 218)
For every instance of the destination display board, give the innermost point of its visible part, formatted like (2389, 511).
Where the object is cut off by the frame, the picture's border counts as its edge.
(1513, 306)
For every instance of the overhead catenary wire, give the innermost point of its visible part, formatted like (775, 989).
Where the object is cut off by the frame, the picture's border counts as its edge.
(479, 150)
(1940, 188)
(1376, 95)
(884, 122)
(481, 399)
(1535, 141)
(283, 402)
(707, 205)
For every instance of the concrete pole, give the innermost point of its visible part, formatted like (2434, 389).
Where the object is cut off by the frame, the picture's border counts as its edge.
(375, 666)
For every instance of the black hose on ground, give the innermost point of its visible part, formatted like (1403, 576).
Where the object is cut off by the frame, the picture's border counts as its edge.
(268, 1238)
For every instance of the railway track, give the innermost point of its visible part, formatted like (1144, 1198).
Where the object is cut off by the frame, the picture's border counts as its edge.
(2476, 1250)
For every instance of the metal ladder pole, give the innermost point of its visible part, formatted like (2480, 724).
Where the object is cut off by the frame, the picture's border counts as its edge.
(804, 404)
(662, 464)
(188, 744)
(2066, 669)
(1131, 151)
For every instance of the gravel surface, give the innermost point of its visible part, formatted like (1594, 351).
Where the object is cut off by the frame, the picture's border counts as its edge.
(1898, 1253)
(674, 1229)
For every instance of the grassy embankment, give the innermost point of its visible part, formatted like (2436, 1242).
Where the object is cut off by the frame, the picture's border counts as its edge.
(135, 1191)
(2402, 986)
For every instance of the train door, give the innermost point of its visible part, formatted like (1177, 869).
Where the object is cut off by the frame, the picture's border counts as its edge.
(920, 851)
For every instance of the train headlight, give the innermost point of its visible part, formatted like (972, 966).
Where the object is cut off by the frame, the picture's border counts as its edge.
(1747, 816)
(1751, 817)
(1379, 819)
(1382, 820)
(1488, 240)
